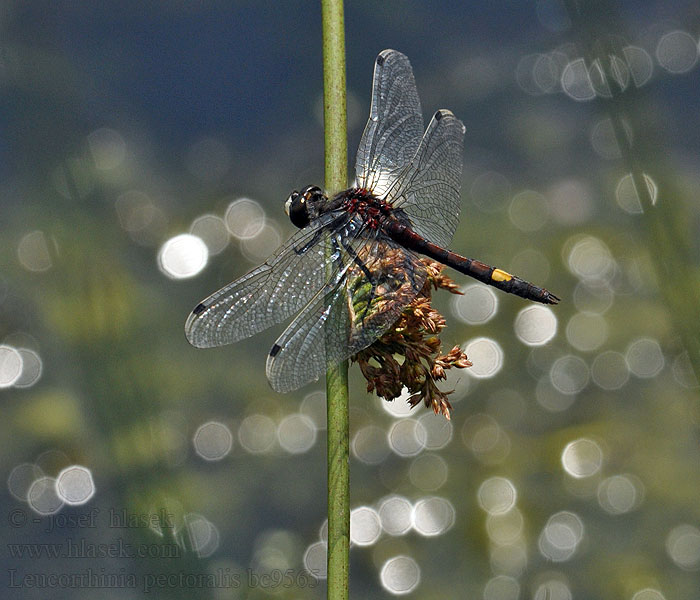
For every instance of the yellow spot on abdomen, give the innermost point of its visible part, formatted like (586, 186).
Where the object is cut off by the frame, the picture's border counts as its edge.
(499, 275)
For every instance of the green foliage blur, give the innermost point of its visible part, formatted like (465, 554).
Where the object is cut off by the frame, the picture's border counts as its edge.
(124, 125)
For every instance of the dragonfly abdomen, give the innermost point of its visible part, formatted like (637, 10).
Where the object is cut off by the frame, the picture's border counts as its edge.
(474, 268)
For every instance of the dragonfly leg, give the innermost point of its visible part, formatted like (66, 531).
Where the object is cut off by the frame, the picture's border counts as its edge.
(312, 242)
(363, 267)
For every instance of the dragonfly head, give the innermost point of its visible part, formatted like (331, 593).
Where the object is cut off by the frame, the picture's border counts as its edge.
(304, 206)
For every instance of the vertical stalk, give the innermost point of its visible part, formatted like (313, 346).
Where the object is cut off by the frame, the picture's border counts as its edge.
(668, 233)
(335, 130)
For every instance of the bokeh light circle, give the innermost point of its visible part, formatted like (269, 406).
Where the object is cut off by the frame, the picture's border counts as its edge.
(640, 64)
(609, 370)
(550, 398)
(433, 516)
(183, 256)
(314, 406)
(546, 71)
(524, 74)
(203, 536)
(257, 434)
(315, 559)
(437, 431)
(365, 526)
(509, 559)
(604, 140)
(10, 365)
(497, 495)
(244, 218)
(398, 407)
(677, 52)
(486, 356)
(502, 587)
(561, 536)
(553, 589)
(586, 332)
(569, 374)
(213, 440)
(33, 252)
(258, 247)
(599, 78)
(212, 231)
(593, 297)
(683, 546)
(590, 260)
(400, 575)
(20, 480)
(395, 514)
(620, 494)
(648, 594)
(505, 528)
(627, 195)
(43, 498)
(145, 222)
(296, 433)
(582, 458)
(407, 437)
(477, 304)
(486, 439)
(428, 472)
(369, 445)
(32, 367)
(74, 485)
(535, 325)
(571, 201)
(683, 371)
(576, 81)
(645, 358)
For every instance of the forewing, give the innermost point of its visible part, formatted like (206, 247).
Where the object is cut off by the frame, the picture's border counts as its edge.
(346, 316)
(268, 294)
(395, 126)
(428, 190)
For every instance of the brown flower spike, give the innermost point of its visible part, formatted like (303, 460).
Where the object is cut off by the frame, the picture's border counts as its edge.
(408, 354)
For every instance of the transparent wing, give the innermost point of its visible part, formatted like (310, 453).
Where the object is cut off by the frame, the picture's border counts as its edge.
(268, 294)
(349, 313)
(428, 189)
(395, 126)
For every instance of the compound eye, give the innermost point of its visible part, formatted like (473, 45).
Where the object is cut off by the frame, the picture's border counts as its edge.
(288, 204)
(312, 192)
(299, 211)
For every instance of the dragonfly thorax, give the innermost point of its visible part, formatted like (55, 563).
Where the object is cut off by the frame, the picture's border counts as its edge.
(363, 203)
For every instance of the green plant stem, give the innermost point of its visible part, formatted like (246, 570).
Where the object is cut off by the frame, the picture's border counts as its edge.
(668, 234)
(336, 160)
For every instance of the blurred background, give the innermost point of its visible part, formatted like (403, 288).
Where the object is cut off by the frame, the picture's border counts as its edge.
(146, 150)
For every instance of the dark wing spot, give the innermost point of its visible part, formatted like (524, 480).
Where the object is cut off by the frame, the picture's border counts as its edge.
(380, 60)
(199, 309)
(275, 350)
(438, 115)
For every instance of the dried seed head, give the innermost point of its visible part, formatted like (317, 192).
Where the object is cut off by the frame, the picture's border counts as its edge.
(414, 338)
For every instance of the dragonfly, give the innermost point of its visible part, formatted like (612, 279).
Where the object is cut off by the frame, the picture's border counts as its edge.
(355, 261)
